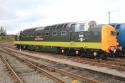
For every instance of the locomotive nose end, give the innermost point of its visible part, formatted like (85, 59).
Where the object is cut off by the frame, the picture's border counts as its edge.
(115, 50)
(119, 47)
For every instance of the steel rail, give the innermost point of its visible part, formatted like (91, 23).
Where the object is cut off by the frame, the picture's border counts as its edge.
(45, 73)
(79, 77)
(57, 80)
(112, 66)
(114, 76)
(11, 69)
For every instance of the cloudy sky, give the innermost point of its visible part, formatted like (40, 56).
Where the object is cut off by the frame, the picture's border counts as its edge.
(16, 15)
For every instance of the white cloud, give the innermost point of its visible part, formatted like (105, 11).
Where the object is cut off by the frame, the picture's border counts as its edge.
(18, 15)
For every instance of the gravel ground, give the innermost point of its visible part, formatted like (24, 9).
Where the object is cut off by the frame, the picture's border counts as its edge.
(4, 75)
(94, 75)
(60, 76)
(83, 72)
(26, 73)
(90, 74)
(87, 73)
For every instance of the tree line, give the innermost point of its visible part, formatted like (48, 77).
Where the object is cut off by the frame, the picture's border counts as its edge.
(2, 31)
(4, 36)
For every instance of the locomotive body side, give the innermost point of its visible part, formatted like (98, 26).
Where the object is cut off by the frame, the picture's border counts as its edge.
(74, 38)
(67, 36)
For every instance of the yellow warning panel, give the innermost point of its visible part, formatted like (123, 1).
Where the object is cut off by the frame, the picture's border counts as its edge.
(95, 45)
(74, 81)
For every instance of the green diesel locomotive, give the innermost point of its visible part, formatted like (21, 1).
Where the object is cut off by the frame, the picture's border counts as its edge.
(74, 38)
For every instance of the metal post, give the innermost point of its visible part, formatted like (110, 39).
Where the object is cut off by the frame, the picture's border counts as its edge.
(20, 45)
(109, 16)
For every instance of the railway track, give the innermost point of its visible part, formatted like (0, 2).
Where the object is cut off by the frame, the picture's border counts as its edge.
(4, 75)
(5, 61)
(68, 69)
(117, 64)
(80, 79)
(22, 74)
(113, 63)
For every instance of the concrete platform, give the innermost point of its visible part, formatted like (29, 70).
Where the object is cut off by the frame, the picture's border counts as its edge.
(76, 64)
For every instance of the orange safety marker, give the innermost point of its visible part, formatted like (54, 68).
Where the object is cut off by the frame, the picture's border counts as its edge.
(74, 81)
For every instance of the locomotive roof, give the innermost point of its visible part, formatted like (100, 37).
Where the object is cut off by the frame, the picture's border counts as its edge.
(61, 25)
(39, 28)
(31, 29)
(97, 27)
(58, 26)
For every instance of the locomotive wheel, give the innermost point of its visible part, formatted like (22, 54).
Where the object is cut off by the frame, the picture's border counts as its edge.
(67, 52)
(103, 56)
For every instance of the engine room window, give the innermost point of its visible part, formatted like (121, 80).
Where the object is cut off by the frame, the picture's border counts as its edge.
(61, 25)
(73, 25)
(64, 25)
(54, 34)
(63, 33)
(58, 27)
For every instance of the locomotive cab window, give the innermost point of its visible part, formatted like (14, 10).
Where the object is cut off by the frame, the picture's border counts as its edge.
(113, 33)
(79, 27)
